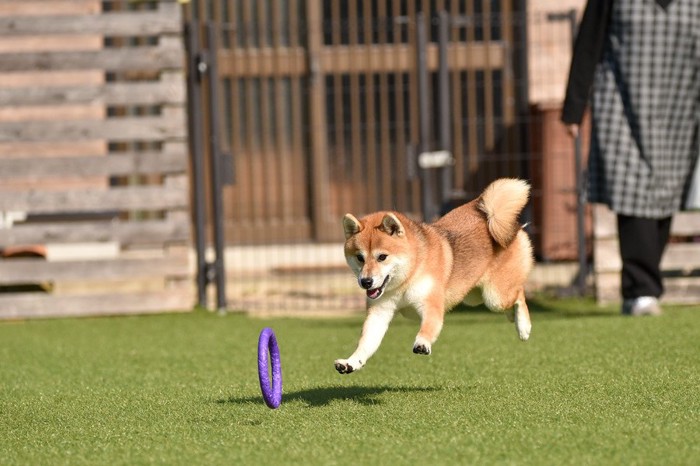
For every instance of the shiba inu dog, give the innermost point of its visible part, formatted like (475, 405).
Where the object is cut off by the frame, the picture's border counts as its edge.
(477, 252)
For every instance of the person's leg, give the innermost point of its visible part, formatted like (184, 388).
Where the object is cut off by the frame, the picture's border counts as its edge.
(642, 243)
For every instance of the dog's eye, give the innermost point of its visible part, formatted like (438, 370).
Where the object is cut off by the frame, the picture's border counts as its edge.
(360, 258)
(381, 257)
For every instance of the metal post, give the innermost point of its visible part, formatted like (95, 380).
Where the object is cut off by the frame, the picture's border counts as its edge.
(216, 165)
(194, 111)
(570, 16)
(580, 188)
(523, 87)
(444, 104)
(580, 218)
(427, 197)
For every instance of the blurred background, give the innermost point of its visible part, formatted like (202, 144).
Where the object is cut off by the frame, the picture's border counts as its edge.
(328, 106)
(157, 155)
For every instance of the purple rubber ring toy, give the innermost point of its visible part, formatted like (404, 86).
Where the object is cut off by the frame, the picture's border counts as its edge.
(271, 394)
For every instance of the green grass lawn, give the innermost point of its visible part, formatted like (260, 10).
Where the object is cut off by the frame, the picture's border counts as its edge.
(590, 387)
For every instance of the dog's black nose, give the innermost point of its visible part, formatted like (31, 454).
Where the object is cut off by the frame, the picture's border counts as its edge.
(366, 283)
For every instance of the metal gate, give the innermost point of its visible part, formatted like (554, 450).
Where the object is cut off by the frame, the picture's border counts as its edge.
(316, 108)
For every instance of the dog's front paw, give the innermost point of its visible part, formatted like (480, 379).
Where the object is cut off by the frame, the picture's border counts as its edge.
(421, 348)
(523, 328)
(343, 366)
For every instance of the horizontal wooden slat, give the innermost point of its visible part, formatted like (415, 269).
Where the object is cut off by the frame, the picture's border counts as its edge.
(678, 256)
(124, 129)
(133, 23)
(684, 223)
(261, 62)
(122, 93)
(677, 290)
(21, 271)
(247, 231)
(386, 58)
(39, 305)
(42, 7)
(126, 233)
(51, 78)
(681, 290)
(115, 164)
(49, 43)
(117, 198)
(16, 114)
(144, 58)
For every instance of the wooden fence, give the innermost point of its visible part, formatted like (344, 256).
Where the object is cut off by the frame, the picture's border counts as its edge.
(680, 264)
(93, 159)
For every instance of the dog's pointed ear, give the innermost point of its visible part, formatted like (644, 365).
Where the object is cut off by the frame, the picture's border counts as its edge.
(351, 225)
(391, 225)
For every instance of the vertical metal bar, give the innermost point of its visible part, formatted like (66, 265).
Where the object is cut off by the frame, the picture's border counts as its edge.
(356, 147)
(427, 197)
(457, 100)
(570, 16)
(580, 189)
(508, 101)
(385, 153)
(356, 150)
(522, 89)
(194, 112)
(370, 136)
(320, 187)
(299, 162)
(414, 197)
(280, 132)
(580, 218)
(489, 91)
(235, 139)
(254, 208)
(270, 168)
(439, 5)
(215, 166)
(444, 103)
(473, 150)
(340, 152)
(403, 192)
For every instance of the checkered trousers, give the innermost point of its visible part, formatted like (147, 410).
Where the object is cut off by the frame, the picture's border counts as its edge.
(646, 108)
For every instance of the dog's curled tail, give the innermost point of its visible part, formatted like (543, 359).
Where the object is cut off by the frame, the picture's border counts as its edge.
(501, 202)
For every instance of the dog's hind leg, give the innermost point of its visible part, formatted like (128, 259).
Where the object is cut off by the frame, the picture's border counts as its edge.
(522, 317)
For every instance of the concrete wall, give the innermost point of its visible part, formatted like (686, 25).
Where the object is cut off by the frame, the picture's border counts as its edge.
(549, 49)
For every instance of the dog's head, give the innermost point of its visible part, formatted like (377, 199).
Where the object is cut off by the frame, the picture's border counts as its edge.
(377, 250)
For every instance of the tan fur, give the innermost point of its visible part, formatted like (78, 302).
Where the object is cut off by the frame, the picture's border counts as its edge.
(502, 201)
(430, 268)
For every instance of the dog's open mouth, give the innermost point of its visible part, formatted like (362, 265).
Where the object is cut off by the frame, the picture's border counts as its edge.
(374, 293)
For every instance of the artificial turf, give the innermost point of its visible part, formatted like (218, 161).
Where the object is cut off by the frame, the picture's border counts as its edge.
(590, 387)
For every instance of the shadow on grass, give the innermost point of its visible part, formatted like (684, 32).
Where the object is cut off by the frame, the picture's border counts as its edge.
(322, 396)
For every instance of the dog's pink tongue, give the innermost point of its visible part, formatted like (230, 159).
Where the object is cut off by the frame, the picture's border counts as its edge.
(373, 293)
